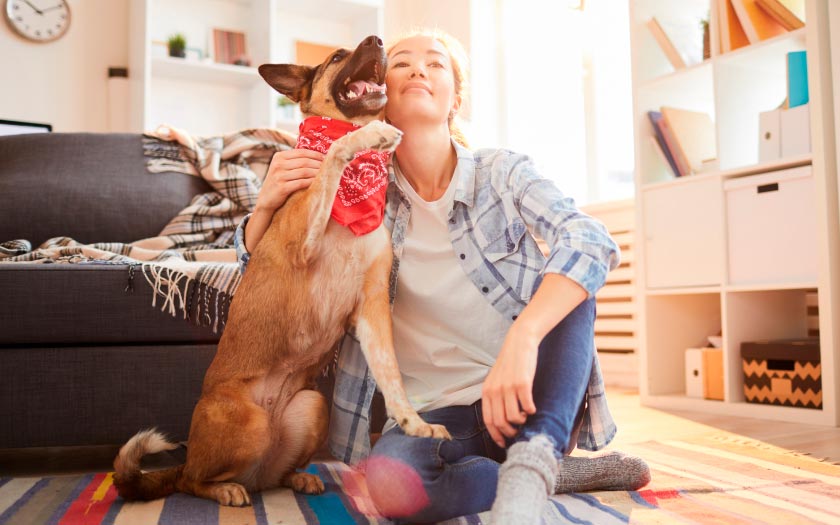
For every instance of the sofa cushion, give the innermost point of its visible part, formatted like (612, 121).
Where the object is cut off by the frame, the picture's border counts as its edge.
(86, 304)
(98, 395)
(92, 187)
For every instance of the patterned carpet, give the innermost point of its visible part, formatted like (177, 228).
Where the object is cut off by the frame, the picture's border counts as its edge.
(720, 480)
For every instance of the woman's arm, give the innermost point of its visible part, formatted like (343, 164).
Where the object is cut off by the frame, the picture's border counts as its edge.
(507, 392)
(289, 171)
(581, 254)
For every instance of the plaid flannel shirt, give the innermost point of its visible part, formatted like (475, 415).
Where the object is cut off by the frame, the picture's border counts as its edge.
(499, 198)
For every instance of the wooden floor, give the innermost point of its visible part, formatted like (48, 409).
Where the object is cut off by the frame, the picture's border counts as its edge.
(635, 423)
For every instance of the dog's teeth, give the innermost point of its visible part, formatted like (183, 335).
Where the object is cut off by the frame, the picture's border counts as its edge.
(351, 94)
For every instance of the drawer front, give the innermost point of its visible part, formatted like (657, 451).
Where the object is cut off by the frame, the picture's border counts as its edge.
(683, 235)
(772, 227)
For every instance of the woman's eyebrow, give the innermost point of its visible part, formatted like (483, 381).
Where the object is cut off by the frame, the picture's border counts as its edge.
(408, 51)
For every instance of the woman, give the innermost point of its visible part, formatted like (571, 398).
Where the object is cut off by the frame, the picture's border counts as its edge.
(494, 341)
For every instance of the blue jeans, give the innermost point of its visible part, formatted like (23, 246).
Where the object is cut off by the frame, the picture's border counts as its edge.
(426, 480)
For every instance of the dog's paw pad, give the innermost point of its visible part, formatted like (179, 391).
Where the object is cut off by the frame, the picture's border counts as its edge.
(232, 495)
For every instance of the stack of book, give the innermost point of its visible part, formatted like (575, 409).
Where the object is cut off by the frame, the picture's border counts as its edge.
(744, 22)
(685, 138)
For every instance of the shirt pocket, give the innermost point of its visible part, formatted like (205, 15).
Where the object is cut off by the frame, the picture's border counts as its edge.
(509, 256)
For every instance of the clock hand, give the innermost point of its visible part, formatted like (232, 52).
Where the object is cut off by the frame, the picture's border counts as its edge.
(33, 7)
(53, 7)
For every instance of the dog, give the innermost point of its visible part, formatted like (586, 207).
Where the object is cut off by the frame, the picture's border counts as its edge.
(308, 281)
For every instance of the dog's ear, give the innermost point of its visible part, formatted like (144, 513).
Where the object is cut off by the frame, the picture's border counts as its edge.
(288, 79)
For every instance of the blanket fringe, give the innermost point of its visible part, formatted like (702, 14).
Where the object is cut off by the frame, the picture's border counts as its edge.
(189, 296)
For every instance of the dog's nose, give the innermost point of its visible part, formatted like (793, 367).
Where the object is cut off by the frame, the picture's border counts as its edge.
(372, 40)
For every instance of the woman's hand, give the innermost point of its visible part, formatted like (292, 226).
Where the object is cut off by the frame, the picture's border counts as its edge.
(507, 395)
(288, 172)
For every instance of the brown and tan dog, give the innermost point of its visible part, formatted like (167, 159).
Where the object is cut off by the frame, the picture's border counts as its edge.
(308, 281)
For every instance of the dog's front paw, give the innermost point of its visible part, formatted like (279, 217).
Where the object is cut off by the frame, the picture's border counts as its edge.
(381, 136)
(418, 428)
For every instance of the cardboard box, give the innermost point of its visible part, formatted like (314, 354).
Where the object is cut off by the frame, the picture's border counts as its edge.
(784, 372)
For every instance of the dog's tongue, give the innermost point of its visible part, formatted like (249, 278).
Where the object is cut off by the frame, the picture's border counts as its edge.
(360, 87)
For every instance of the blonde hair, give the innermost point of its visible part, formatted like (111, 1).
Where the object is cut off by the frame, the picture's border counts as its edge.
(458, 57)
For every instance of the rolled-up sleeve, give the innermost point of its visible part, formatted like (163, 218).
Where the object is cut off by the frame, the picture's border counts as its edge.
(242, 253)
(581, 247)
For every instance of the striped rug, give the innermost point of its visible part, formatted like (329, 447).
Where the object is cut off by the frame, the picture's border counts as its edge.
(719, 480)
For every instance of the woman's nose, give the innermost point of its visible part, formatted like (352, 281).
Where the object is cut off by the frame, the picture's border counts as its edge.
(417, 71)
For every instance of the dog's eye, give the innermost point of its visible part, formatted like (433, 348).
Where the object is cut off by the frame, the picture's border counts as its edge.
(336, 58)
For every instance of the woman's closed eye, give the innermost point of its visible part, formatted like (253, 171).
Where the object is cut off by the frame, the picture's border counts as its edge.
(400, 64)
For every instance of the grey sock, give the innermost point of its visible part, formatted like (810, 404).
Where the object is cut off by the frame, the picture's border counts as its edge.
(525, 481)
(611, 471)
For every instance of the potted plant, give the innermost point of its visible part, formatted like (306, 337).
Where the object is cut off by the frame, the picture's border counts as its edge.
(177, 45)
(707, 52)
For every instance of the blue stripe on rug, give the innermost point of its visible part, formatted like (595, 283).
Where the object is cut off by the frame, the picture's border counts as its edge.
(183, 509)
(34, 489)
(593, 502)
(115, 508)
(84, 481)
(565, 513)
(327, 507)
(259, 509)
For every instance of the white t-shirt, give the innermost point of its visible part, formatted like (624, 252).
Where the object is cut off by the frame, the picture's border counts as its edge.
(446, 334)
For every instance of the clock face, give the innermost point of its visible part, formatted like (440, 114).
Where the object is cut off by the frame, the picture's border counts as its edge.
(38, 20)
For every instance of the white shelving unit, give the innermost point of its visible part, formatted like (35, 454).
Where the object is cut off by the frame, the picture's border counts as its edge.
(208, 98)
(685, 290)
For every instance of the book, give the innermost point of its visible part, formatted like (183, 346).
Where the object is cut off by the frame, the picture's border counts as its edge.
(732, 35)
(781, 14)
(229, 47)
(668, 142)
(665, 43)
(659, 140)
(797, 78)
(757, 24)
(694, 136)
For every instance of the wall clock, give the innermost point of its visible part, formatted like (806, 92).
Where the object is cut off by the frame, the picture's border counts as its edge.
(38, 20)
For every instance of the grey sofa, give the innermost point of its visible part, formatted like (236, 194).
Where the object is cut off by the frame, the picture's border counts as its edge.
(83, 360)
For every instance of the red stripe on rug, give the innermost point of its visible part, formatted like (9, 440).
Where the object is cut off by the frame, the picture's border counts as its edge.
(93, 503)
(653, 496)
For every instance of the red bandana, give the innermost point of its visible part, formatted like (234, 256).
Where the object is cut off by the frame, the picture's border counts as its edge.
(360, 200)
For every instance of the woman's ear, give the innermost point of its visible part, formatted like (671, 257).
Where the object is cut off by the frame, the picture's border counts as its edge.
(455, 107)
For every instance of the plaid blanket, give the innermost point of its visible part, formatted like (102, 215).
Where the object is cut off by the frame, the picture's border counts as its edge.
(194, 252)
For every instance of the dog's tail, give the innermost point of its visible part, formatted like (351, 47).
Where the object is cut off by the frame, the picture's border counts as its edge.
(134, 484)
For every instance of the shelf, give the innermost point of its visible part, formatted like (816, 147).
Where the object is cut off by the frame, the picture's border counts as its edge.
(770, 287)
(764, 167)
(687, 75)
(764, 54)
(684, 290)
(205, 73)
(733, 173)
(740, 409)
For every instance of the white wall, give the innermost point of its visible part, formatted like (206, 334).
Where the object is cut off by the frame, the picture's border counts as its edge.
(64, 83)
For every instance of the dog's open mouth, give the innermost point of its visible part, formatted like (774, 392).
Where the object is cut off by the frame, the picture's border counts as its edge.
(367, 82)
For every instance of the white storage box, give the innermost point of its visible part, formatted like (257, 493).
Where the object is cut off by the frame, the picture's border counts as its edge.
(772, 227)
(694, 373)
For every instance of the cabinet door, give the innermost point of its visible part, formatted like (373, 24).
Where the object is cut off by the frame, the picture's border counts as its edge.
(684, 234)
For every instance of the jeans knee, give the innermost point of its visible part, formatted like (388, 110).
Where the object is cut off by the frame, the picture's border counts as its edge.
(395, 486)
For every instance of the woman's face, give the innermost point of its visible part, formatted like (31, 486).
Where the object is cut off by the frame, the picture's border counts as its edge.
(421, 83)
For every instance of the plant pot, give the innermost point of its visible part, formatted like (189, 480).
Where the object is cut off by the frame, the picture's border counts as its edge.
(176, 52)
